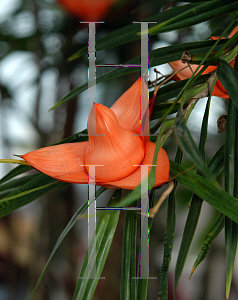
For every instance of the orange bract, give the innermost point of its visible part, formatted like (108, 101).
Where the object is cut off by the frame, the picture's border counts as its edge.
(87, 10)
(218, 90)
(113, 147)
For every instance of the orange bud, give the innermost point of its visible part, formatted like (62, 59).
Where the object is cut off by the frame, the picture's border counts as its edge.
(87, 10)
(118, 150)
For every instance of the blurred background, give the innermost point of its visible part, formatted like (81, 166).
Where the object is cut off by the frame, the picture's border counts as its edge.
(36, 39)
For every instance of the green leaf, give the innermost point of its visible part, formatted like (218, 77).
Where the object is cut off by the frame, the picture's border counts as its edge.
(17, 182)
(229, 79)
(142, 284)
(129, 33)
(169, 238)
(231, 155)
(15, 172)
(171, 90)
(128, 263)
(68, 227)
(216, 165)
(206, 190)
(210, 237)
(188, 145)
(194, 209)
(160, 56)
(104, 234)
(201, 13)
(28, 192)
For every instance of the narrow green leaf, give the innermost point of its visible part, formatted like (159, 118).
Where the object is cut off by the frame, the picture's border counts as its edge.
(188, 233)
(15, 172)
(229, 79)
(169, 238)
(216, 165)
(171, 90)
(210, 237)
(66, 230)
(142, 284)
(104, 234)
(188, 145)
(201, 13)
(160, 56)
(194, 210)
(231, 228)
(129, 33)
(28, 192)
(17, 182)
(193, 78)
(206, 190)
(128, 265)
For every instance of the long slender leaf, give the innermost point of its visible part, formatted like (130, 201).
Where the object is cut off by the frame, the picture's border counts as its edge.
(169, 238)
(104, 234)
(194, 210)
(175, 18)
(231, 228)
(28, 192)
(160, 56)
(129, 33)
(142, 284)
(229, 79)
(15, 172)
(206, 190)
(210, 237)
(66, 230)
(128, 265)
(17, 182)
(216, 165)
(201, 13)
(188, 145)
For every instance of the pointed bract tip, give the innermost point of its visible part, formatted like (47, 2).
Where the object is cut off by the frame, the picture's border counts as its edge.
(17, 155)
(191, 273)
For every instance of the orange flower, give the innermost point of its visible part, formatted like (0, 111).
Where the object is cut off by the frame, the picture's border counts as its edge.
(87, 10)
(116, 147)
(218, 90)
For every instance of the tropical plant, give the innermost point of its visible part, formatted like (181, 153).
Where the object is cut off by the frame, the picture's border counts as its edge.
(193, 167)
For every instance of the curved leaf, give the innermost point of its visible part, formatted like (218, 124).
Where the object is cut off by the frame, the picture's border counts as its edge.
(68, 227)
(210, 237)
(201, 13)
(105, 230)
(160, 56)
(231, 155)
(128, 264)
(229, 79)
(169, 238)
(129, 33)
(33, 189)
(206, 190)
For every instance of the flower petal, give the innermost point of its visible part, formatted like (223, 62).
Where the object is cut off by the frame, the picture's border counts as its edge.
(133, 180)
(63, 162)
(218, 90)
(90, 10)
(187, 73)
(128, 107)
(233, 32)
(118, 150)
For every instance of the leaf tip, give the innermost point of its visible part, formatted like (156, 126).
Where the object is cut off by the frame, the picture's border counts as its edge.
(193, 269)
